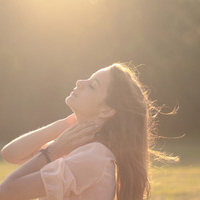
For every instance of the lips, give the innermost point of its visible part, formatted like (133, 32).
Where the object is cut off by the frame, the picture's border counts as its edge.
(74, 93)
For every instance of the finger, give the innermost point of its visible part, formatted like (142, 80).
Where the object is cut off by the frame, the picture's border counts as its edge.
(83, 125)
(79, 129)
(80, 124)
(88, 130)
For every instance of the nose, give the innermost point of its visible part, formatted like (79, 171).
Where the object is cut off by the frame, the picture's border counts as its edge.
(79, 84)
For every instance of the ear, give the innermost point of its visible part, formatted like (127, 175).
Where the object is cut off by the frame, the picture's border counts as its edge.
(107, 113)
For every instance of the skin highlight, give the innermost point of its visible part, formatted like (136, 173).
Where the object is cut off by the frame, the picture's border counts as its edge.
(87, 99)
(111, 107)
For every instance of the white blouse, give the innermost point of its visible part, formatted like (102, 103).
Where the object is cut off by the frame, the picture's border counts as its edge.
(87, 173)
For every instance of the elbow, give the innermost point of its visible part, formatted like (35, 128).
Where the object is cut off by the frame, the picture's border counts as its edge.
(7, 156)
(4, 154)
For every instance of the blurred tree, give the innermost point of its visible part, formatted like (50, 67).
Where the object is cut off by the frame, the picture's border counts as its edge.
(46, 46)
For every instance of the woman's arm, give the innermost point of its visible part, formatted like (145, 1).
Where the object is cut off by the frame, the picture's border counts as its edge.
(26, 146)
(26, 181)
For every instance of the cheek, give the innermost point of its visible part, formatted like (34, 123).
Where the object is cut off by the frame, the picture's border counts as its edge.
(91, 102)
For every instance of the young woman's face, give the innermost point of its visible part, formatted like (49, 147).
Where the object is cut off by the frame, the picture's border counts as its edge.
(87, 98)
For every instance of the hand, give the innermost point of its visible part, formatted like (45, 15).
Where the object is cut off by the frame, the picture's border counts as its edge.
(74, 137)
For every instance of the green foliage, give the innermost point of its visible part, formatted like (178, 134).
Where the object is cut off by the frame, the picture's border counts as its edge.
(46, 47)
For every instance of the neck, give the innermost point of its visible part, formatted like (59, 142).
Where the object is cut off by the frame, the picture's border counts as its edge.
(95, 119)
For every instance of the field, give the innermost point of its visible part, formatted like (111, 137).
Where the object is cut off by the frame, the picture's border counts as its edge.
(174, 181)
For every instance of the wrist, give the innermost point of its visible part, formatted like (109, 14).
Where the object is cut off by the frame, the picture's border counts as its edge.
(44, 152)
(56, 150)
(52, 152)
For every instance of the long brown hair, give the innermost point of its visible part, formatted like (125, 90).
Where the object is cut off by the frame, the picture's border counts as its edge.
(127, 133)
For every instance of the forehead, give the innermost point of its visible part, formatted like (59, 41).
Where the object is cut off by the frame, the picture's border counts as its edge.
(103, 75)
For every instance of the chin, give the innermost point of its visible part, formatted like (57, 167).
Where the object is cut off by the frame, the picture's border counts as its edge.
(69, 102)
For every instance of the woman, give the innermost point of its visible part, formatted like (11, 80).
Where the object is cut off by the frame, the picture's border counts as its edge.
(108, 132)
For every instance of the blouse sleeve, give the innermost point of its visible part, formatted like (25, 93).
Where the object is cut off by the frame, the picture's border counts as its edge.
(75, 173)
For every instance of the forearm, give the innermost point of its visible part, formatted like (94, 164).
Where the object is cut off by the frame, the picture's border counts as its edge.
(30, 143)
(25, 182)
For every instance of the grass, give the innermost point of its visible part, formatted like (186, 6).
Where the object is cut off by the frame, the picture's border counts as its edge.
(168, 183)
(178, 181)
(5, 169)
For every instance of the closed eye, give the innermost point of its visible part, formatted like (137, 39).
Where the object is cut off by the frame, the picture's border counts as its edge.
(91, 86)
